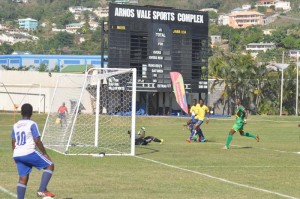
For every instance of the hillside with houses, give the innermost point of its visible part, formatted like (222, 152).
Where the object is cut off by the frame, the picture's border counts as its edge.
(73, 27)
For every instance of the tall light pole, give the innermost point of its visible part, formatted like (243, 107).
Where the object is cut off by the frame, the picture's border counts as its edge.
(297, 82)
(281, 67)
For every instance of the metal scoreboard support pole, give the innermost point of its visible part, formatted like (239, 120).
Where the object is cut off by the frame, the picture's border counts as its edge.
(104, 32)
(297, 83)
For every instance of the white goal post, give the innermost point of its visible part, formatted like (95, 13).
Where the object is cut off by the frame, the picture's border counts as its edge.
(101, 109)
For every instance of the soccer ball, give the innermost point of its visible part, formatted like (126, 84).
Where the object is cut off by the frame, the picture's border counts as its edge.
(102, 154)
(47, 197)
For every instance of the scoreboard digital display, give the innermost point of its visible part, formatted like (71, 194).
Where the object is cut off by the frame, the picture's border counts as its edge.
(158, 40)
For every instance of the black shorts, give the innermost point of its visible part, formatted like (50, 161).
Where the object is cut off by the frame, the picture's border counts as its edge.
(141, 141)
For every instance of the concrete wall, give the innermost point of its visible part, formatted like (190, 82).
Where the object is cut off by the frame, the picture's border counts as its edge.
(19, 85)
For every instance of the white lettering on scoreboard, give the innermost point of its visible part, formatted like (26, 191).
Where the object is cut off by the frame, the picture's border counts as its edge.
(158, 15)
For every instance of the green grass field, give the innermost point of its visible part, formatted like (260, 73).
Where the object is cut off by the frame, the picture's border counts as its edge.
(175, 169)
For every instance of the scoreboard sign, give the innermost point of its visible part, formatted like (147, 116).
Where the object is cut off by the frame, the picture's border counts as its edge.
(158, 40)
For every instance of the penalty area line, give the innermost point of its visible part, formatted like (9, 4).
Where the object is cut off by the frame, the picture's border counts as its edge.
(2, 189)
(217, 178)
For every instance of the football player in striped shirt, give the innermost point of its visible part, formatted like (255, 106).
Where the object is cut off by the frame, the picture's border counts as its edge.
(25, 138)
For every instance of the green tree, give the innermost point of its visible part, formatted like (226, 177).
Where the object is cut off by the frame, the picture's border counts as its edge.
(6, 49)
(42, 68)
(289, 42)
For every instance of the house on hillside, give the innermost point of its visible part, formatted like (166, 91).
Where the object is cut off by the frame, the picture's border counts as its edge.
(215, 40)
(21, 1)
(255, 48)
(278, 4)
(244, 19)
(3, 27)
(294, 54)
(265, 3)
(209, 10)
(28, 24)
(284, 5)
(126, 1)
(79, 9)
(101, 12)
(73, 27)
(13, 38)
(223, 20)
(268, 31)
(246, 6)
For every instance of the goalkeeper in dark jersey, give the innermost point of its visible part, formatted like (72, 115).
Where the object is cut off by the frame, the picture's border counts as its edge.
(241, 116)
(142, 139)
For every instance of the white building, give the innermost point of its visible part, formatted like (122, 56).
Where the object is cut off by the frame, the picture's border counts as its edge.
(13, 38)
(216, 39)
(101, 12)
(268, 31)
(223, 20)
(246, 7)
(3, 27)
(284, 5)
(94, 25)
(79, 9)
(73, 27)
(255, 48)
(20, 1)
(294, 54)
(209, 9)
(58, 30)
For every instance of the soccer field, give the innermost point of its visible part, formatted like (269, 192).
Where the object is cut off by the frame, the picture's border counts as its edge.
(176, 168)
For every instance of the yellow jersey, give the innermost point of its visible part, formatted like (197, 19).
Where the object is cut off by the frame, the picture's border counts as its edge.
(201, 111)
(193, 110)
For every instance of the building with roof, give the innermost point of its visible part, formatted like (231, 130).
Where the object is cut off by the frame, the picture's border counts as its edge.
(244, 19)
(284, 5)
(255, 48)
(73, 27)
(79, 9)
(28, 24)
(265, 3)
(294, 54)
(13, 38)
(101, 12)
(223, 20)
(209, 10)
(260, 46)
(51, 61)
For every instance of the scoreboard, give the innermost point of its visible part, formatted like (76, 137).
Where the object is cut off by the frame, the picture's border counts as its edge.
(158, 40)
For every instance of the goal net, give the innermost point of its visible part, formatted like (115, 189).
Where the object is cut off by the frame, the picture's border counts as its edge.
(101, 108)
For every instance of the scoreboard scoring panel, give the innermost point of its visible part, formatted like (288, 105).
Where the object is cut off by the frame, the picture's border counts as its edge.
(158, 40)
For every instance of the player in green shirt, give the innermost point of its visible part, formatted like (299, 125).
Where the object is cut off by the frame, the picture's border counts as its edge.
(241, 116)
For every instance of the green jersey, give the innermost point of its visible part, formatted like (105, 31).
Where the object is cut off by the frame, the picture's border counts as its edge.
(240, 114)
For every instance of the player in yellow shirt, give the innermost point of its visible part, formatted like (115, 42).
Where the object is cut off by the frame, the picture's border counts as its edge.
(200, 116)
(194, 108)
(192, 121)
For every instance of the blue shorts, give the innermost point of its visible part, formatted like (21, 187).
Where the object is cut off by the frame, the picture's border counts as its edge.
(199, 122)
(26, 162)
(194, 120)
(61, 115)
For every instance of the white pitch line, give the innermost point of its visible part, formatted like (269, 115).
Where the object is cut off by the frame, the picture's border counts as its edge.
(209, 166)
(219, 179)
(266, 149)
(2, 189)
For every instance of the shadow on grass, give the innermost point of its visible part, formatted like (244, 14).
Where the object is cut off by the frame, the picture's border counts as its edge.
(243, 147)
(147, 150)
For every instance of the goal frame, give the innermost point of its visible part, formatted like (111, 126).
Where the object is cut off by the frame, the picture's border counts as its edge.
(87, 74)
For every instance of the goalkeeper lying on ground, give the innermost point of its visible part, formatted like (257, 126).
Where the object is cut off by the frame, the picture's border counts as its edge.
(140, 138)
